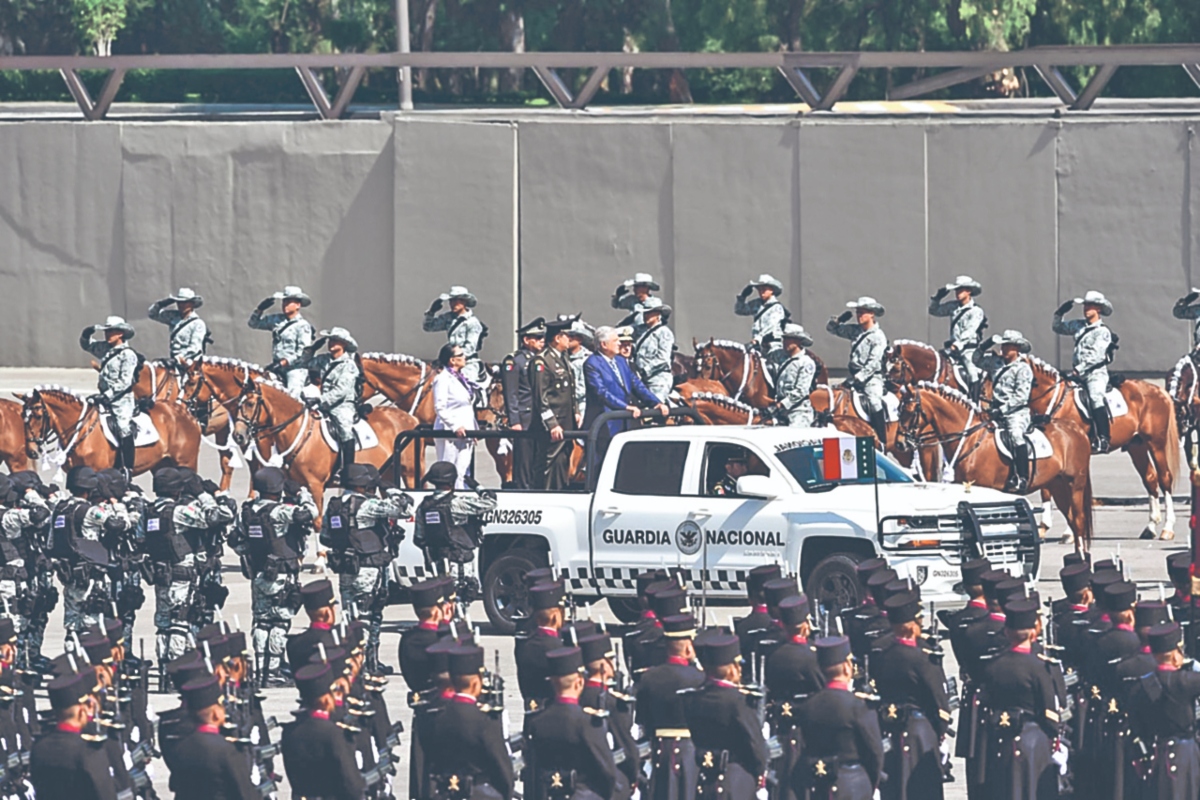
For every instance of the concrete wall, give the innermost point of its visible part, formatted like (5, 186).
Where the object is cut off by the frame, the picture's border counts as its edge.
(542, 215)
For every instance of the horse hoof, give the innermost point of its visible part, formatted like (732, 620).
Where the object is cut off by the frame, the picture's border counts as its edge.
(1147, 533)
(1043, 530)
(1065, 538)
(1166, 535)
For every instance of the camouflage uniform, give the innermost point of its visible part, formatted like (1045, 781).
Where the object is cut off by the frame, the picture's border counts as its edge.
(361, 591)
(464, 330)
(189, 334)
(80, 612)
(28, 514)
(289, 338)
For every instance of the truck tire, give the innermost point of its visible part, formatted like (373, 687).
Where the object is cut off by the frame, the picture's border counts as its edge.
(505, 597)
(626, 609)
(833, 583)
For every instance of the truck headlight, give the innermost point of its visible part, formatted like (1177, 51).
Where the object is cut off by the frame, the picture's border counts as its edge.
(920, 532)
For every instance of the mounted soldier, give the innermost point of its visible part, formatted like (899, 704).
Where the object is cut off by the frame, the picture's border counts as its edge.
(189, 334)
(1185, 308)
(769, 317)
(796, 378)
(632, 293)
(339, 391)
(119, 365)
(967, 323)
(868, 350)
(1094, 347)
(655, 347)
(291, 333)
(1012, 382)
(583, 339)
(462, 328)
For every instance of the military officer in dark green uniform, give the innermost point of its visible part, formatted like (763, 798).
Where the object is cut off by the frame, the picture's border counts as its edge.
(554, 402)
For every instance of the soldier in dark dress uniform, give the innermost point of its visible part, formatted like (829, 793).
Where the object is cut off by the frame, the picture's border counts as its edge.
(176, 724)
(468, 758)
(319, 604)
(547, 600)
(792, 675)
(750, 628)
(865, 622)
(63, 765)
(426, 706)
(206, 765)
(599, 694)
(1179, 571)
(843, 751)
(317, 757)
(519, 401)
(1105, 653)
(428, 599)
(1161, 705)
(568, 755)
(554, 404)
(661, 715)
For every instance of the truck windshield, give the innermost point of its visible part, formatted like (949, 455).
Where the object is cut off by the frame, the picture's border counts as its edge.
(806, 463)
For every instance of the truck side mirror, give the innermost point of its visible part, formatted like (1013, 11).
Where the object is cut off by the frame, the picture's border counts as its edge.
(760, 486)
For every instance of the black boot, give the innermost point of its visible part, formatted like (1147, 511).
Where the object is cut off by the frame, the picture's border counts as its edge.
(879, 423)
(126, 454)
(1100, 426)
(347, 458)
(1018, 479)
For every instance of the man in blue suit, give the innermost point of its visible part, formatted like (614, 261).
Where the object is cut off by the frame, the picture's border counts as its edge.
(612, 385)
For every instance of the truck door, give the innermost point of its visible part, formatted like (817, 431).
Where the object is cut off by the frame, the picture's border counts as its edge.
(636, 513)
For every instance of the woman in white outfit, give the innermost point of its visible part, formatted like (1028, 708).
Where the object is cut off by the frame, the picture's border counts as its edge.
(454, 406)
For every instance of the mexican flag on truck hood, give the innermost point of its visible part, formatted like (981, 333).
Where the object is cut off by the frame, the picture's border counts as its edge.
(849, 458)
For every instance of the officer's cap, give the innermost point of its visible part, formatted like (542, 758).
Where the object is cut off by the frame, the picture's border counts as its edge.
(314, 681)
(466, 660)
(317, 594)
(596, 647)
(338, 659)
(573, 632)
(1075, 578)
(903, 607)
(759, 577)
(82, 478)
(97, 647)
(534, 329)
(832, 650)
(269, 480)
(1165, 638)
(188, 666)
(1021, 615)
(547, 595)
(991, 579)
(1024, 594)
(972, 571)
(1077, 558)
(427, 594)
(1148, 614)
(1120, 596)
(1107, 565)
(8, 631)
(71, 690)
(564, 661)
(438, 654)
(680, 626)
(1179, 568)
(167, 480)
(865, 569)
(441, 473)
(1102, 580)
(776, 590)
(561, 323)
(536, 576)
(717, 648)
(358, 477)
(793, 610)
(668, 601)
(201, 693)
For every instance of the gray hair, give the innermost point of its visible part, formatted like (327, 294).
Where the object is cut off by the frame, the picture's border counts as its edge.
(606, 333)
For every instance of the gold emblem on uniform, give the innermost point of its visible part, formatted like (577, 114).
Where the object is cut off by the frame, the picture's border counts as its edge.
(454, 783)
(1112, 706)
(891, 711)
(416, 697)
(533, 706)
(821, 771)
(1004, 719)
(708, 759)
(556, 781)
(786, 709)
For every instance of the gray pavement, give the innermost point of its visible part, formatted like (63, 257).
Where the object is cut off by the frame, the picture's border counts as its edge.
(1116, 531)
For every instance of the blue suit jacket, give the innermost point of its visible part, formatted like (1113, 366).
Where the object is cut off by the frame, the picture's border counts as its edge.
(606, 393)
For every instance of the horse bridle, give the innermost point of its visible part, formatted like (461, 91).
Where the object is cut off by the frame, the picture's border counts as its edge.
(917, 441)
(48, 431)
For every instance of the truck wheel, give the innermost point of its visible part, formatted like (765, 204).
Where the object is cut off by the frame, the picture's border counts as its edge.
(833, 583)
(505, 597)
(626, 609)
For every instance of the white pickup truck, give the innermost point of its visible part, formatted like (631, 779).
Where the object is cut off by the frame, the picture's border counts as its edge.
(654, 505)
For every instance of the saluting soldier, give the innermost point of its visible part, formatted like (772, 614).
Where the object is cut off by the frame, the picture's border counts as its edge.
(339, 390)
(189, 333)
(1012, 382)
(582, 337)
(868, 350)
(118, 372)
(796, 378)
(1094, 344)
(462, 328)
(317, 756)
(554, 395)
(661, 714)
(630, 294)
(206, 765)
(654, 348)
(291, 334)
(843, 748)
(769, 317)
(519, 400)
(967, 323)
(1185, 308)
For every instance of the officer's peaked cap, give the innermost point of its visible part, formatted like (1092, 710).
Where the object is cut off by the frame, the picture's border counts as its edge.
(535, 328)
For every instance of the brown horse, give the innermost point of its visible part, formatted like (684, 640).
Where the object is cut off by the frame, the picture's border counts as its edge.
(1148, 432)
(12, 437)
(57, 412)
(741, 370)
(838, 401)
(1183, 384)
(951, 432)
(721, 409)
(924, 361)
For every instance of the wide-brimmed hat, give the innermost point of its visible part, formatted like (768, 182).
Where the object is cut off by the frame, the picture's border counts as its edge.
(460, 293)
(644, 279)
(582, 330)
(294, 293)
(768, 280)
(1014, 337)
(1094, 298)
(341, 335)
(965, 282)
(186, 295)
(653, 304)
(869, 303)
(117, 324)
(794, 331)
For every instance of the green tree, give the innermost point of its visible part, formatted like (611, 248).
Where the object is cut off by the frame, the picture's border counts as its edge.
(99, 21)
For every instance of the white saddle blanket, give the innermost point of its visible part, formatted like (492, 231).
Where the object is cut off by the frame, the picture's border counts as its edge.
(1040, 445)
(144, 432)
(1115, 401)
(364, 434)
(891, 406)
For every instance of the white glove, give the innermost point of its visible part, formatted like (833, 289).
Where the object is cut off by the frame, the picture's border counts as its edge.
(1059, 756)
(761, 794)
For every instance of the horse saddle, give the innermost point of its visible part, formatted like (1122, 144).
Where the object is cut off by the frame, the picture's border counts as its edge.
(144, 432)
(1117, 407)
(364, 435)
(891, 406)
(1039, 445)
